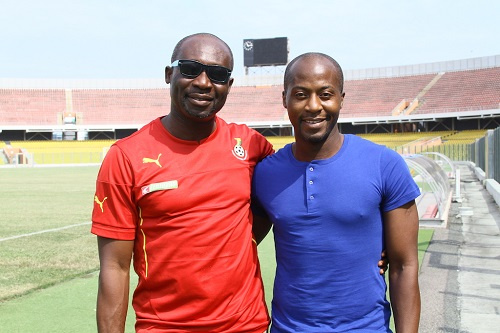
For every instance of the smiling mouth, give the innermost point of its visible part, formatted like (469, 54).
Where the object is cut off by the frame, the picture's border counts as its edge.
(200, 100)
(200, 96)
(312, 121)
(196, 98)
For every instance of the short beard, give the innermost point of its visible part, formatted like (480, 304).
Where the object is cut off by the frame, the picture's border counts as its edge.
(198, 115)
(201, 115)
(315, 139)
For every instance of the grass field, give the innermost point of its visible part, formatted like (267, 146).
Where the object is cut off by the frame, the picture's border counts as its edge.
(48, 258)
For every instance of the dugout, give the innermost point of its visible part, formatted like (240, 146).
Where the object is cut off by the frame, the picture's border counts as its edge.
(431, 175)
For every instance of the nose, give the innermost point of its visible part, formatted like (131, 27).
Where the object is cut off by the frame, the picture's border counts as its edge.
(202, 80)
(314, 103)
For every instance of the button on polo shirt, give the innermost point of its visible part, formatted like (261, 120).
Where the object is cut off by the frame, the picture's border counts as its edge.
(310, 179)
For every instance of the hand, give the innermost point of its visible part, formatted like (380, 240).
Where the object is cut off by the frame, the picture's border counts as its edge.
(383, 263)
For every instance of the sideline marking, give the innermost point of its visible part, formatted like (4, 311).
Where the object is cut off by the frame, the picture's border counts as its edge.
(44, 231)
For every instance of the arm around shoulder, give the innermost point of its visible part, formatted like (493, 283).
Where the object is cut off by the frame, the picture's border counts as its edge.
(401, 234)
(114, 280)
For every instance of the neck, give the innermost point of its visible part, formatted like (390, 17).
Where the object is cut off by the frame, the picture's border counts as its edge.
(308, 151)
(188, 130)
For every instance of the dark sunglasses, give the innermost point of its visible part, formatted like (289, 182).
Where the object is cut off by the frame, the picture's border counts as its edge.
(193, 68)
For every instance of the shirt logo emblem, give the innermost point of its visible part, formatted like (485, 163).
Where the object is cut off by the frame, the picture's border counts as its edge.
(238, 151)
(150, 160)
(100, 203)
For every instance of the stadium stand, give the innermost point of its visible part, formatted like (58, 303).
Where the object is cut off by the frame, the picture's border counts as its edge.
(279, 142)
(466, 136)
(393, 140)
(254, 104)
(379, 97)
(124, 106)
(463, 91)
(27, 107)
(92, 151)
(442, 96)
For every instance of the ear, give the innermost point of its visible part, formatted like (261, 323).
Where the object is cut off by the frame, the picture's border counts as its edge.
(342, 100)
(283, 96)
(168, 74)
(230, 84)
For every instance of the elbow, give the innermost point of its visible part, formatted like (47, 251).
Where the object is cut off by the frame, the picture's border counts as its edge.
(409, 267)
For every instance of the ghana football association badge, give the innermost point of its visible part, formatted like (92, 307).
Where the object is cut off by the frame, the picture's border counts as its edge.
(238, 151)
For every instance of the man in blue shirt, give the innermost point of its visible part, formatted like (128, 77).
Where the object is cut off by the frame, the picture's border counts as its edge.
(336, 201)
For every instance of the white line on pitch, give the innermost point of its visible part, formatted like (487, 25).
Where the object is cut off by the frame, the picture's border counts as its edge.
(43, 231)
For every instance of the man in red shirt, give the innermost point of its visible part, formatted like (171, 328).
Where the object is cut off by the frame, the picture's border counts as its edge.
(175, 197)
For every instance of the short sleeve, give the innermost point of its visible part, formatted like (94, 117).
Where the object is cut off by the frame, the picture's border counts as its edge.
(114, 214)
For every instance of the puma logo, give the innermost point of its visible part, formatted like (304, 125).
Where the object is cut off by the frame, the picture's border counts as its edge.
(150, 160)
(96, 199)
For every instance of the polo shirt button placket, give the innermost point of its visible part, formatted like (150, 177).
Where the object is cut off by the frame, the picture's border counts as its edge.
(310, 182)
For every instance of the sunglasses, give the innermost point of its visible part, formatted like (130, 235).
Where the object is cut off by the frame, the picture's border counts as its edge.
(193, 68)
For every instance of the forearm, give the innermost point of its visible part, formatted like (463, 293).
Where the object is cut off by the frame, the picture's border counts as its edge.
(401, 231)
(114, 281)
(405, 297)
(112, 301)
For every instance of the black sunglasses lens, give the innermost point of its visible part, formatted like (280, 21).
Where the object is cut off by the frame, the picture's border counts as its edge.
(190, 68)
(217, 74)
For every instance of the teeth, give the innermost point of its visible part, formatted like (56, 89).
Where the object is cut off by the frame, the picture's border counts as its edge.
(200, 98)
(312, 121)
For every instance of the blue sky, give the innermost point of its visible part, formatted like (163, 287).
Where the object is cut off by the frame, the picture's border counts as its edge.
(134, 39)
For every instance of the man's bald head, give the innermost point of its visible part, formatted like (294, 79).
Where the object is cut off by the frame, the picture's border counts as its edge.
(289, 68)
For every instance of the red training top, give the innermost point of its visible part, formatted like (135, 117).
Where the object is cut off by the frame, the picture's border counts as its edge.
(187, 206)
